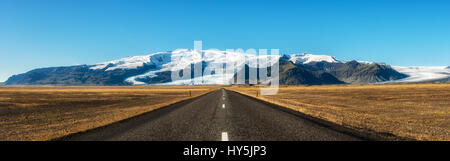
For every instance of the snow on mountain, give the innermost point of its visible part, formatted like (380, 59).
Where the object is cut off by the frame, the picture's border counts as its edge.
(134, 62)
(163, 59)
(180, 59)
(365, 62)
(306, 58)
(421, 73)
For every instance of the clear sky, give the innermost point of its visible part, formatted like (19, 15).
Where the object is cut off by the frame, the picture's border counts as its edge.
(44, 33)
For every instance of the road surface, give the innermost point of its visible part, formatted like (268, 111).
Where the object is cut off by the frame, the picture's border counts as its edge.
(221, 115)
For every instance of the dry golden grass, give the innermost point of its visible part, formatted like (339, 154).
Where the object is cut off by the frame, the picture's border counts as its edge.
(415, 111)
(43, 113)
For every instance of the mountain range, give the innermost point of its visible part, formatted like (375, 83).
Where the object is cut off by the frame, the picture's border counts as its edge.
(157, 68)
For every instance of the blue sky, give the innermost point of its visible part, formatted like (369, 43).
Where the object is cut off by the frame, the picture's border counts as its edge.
(48, 33)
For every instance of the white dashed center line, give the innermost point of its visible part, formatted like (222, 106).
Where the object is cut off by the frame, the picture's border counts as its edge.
(223, 105)
(224, 136)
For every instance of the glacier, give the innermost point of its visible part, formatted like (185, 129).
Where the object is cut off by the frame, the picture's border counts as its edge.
(306, 58)
(179, 59)
(421, 73)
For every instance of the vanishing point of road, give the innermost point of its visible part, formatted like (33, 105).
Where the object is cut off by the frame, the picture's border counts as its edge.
(221, 115)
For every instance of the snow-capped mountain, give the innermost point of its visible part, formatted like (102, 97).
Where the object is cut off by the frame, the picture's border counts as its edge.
(134, 62)
(178, 60)
(306, 58)
(156, 68)
(163, 59)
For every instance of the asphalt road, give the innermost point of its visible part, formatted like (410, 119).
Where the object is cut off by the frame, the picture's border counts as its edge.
(217, 116)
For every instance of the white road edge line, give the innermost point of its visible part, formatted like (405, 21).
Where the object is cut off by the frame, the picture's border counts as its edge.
(223, 105)
(224, 136)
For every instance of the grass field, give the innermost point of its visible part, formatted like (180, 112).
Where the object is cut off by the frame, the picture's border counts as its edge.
(43, 113)
(417, 111)
(414, 111)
